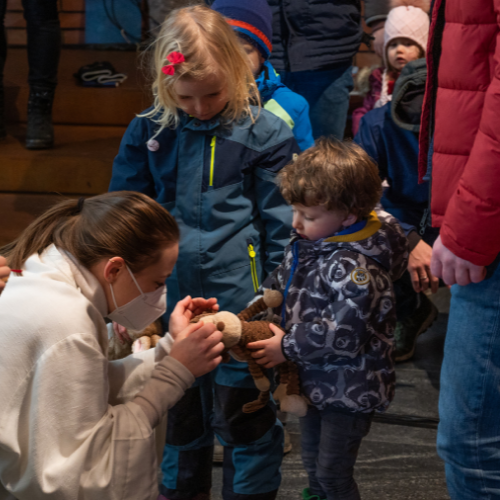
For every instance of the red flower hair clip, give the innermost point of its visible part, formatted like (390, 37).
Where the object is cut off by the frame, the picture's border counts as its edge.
(173, 58)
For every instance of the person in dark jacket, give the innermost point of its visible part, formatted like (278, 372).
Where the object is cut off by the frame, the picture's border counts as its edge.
(338, 311)
(390, 135)
(253, 24)
(313, 46)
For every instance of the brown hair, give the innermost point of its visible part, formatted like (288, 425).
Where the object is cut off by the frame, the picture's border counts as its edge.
(124, 223)
(209, 46)
(337, 175)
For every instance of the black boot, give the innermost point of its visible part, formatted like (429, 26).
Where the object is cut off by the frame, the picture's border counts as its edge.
(3, 132)
(40, 132)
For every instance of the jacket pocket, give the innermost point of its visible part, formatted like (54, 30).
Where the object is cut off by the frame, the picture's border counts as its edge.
(252, 254)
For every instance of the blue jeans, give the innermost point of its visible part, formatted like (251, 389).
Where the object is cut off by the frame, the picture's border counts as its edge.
(330, 442)
(469, 403)
(327, 93)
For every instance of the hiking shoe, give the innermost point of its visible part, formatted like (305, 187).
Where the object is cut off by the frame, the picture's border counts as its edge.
(306, 495)
(408, 330)
(39, 130)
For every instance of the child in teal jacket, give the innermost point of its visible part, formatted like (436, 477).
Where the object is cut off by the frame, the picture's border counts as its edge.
(211, 158)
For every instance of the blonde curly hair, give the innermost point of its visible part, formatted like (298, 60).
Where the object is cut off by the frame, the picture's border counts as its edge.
(209, 46)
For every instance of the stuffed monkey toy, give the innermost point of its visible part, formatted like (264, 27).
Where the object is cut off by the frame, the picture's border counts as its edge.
(123, 341)
(238, 331)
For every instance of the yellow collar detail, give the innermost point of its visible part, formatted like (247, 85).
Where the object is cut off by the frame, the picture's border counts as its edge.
(373, 224)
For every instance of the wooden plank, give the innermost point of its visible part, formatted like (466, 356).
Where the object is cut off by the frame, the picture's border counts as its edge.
(69, 37)
(80, 162)
(362, 59)
(14, 5)
(72, 5)
(67, 20)
(19, 210)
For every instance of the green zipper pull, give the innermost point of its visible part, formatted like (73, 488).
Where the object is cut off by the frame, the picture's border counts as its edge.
(253, 265)
(212, 160)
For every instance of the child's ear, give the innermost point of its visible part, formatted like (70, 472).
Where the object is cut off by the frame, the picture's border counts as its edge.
(350, 220)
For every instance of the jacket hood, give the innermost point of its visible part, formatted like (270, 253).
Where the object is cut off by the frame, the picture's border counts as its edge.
(408, 95)
(381, 239)
(268, 81)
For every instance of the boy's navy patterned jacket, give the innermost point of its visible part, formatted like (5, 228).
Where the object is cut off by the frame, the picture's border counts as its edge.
(339, 313)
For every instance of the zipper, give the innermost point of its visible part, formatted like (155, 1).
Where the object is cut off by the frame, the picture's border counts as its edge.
(289, 282)
(212, 160)
(253, 264)
(423, 222)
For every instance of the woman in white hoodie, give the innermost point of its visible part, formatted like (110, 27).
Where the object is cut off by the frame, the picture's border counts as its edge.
(74, 425)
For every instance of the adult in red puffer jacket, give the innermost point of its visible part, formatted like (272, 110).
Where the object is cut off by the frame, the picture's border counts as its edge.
(460, 152)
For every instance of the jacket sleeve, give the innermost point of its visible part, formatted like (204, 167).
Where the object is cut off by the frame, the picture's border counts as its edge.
(275, 213)
(298, 110)
(89, 448)
(342, 328)
(368, 137)
(376, 10)
(131, 166)
(472, 218)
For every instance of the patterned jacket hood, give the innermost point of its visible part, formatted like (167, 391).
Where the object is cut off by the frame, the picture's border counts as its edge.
(339, 314)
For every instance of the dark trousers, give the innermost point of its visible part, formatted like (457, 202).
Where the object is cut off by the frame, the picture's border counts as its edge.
(44, 42)
(253, 442)
(330, 442)
(327, 93)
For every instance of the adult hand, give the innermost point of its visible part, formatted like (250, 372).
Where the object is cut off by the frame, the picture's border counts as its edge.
(452, 269)
(198, 347)
(269, 351)
(4, 272)
(378, 35)
(419, 267)
(186, 310)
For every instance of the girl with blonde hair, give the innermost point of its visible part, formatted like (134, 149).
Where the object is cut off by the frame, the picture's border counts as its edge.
(207, 152)
(73, 424)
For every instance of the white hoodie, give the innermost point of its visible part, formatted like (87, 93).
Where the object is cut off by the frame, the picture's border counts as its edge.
(68, 427)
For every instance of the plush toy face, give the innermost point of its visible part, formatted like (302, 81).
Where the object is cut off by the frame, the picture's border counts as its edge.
(228, 323)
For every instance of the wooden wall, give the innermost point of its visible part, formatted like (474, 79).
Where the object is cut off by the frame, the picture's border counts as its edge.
(72, 18)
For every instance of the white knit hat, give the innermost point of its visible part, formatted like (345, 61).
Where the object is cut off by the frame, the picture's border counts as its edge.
(407, 21)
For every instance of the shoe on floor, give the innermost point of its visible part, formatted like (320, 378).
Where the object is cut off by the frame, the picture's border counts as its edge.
(408, 330)
(39, 130)
(306, 495)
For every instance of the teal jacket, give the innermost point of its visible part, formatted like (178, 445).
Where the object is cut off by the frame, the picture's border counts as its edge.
(291, 107)
(219, 184)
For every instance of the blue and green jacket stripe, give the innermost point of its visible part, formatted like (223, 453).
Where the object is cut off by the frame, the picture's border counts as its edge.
(219, 184)
(292, 108)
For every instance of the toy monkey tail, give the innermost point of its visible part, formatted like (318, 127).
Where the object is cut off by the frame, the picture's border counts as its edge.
(259, 403)
(271, 298)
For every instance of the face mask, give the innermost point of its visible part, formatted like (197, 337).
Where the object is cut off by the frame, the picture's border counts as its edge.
(141, 311)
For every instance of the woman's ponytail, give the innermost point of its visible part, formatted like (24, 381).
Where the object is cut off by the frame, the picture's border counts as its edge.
(126, 224)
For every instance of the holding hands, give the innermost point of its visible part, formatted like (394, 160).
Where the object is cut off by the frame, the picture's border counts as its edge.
(268, 352)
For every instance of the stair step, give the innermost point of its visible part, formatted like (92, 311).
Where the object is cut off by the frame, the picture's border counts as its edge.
(19, 210)
(77, 105)
(80, 163)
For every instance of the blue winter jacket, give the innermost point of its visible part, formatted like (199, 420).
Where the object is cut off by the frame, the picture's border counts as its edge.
(219, 184)
(395, 150)
(339, 313)
(291, 107)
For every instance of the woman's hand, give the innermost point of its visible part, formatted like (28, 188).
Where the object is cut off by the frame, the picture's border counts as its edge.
(419, 267)
(4, 272)
(198, 347)
(269, 352)
(186, 310)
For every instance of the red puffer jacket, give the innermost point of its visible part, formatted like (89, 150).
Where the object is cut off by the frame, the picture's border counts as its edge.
(464, 83)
